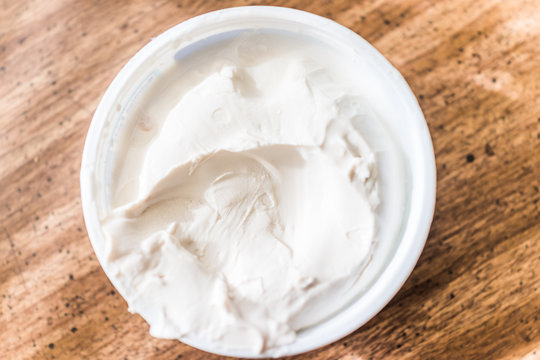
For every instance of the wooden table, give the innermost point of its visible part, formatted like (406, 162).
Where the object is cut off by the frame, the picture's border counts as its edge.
(475, 67)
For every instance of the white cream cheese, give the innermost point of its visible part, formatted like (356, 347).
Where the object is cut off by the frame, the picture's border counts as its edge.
(243, 198)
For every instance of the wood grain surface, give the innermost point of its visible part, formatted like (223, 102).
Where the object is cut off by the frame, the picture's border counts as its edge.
(475, 68)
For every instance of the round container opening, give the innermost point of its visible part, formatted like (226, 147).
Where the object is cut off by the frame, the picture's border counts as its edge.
(399, 137)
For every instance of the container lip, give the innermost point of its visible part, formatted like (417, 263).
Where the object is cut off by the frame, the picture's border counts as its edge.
(423, 186)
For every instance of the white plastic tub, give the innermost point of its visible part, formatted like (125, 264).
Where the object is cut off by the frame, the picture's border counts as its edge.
(399, 245)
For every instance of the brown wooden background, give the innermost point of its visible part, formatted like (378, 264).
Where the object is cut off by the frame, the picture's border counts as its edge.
(475, 67)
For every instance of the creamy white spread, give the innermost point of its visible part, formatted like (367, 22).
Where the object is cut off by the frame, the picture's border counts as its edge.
(243, 197)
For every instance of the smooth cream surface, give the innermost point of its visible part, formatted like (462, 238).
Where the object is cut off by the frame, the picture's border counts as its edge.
(243, 198)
